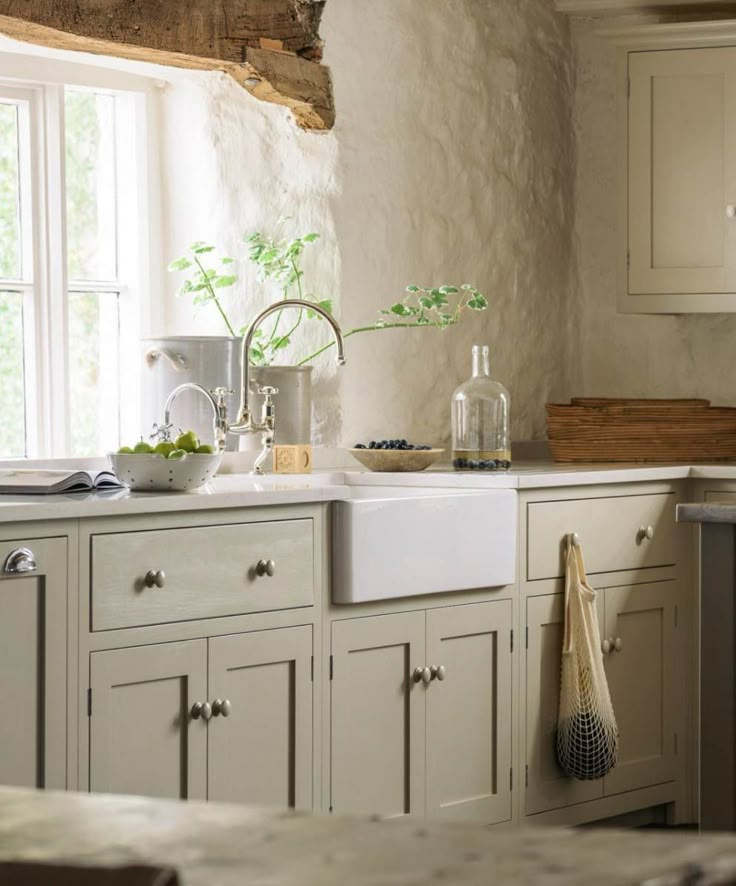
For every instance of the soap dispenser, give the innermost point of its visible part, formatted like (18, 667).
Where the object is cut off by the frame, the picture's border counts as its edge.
(480, 420)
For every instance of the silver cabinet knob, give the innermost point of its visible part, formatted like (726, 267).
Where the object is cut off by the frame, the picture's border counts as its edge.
(646, 532)
(221, 707)
(606, 647)
(731, 211)
(201, 709)
(618, 644)
(438, 672)
(20, 561)
(155, 579)
(265, 567)
(422, 675)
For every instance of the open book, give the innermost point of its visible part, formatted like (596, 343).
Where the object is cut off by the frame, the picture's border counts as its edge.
(24, 481)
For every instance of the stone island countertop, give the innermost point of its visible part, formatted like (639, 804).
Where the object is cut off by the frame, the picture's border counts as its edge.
(217, 845)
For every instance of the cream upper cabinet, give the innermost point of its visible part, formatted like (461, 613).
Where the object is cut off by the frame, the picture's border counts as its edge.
(679, 178)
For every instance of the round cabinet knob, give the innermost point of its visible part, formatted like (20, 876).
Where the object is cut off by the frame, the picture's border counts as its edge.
(155, 579)
(201, 710)
(618, 644)
(422, 675)
(731, 211)
(438, 672)
(606, 647)
(221, 707)
(20, 561)
(266, 567)
(646, 532)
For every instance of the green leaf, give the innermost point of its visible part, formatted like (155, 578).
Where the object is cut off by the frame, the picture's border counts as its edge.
(181, 264)
(426, 302)
(201, 250)
(400, 310)
(449, 290)
(226, 260)
(280, 343)
(326, 305)
(225, 281)
(478, 302)
(310, 238)
(412, 288)
(466, 286)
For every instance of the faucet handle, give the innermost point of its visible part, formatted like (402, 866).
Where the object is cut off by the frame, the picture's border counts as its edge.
(220, 393)
(267, 391)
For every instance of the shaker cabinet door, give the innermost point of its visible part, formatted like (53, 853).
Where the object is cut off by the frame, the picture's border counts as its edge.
(260, 734)
(143, 738)
(547, 785)
(469, 712)
(33, 632)
(682, 172)
(641, 669)
(378, 711)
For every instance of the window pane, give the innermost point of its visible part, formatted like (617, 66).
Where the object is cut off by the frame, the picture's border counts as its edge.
(90, 185)
(12, 387)
(10, 255)
(94, 372)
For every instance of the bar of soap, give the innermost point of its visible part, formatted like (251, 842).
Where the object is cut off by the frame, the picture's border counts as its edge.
(292, 459)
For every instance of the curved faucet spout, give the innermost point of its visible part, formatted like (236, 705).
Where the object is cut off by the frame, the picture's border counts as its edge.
(244, 421)
(216, 399)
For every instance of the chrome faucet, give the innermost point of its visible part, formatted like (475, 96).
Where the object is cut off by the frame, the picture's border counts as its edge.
(244, 423)
(215, 398)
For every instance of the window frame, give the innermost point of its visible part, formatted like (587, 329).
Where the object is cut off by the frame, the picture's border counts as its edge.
(38, 83)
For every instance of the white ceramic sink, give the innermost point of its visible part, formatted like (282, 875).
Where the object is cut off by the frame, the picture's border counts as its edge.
(391, 542)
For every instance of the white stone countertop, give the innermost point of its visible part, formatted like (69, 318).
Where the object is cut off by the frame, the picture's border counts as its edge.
(235, 490)
(218, 845)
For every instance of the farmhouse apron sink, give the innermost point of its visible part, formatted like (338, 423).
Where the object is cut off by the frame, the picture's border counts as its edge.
(391, 542)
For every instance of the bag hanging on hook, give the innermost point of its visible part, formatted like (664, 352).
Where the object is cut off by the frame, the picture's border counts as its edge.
(587, 735)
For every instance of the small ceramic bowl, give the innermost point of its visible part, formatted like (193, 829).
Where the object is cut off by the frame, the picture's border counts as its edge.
(154, 473)
(396, 460)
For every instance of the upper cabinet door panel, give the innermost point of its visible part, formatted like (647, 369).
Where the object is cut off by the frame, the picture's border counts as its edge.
(681, 171)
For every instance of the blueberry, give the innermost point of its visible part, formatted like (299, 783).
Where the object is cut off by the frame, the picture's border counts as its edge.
(359, 446)
(504, 464)
(473, 464)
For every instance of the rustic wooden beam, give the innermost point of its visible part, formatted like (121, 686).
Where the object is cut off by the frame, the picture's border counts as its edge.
(271, 47)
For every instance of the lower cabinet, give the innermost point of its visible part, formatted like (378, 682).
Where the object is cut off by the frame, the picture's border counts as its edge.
(421, 713)
(639, 620)
(226, 718)
(33, 667)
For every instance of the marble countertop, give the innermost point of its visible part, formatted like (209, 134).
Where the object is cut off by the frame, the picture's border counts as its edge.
(233, 490)
(218, 845)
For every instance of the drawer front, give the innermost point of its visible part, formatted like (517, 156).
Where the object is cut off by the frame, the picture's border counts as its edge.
(609, 530)
(207, 572)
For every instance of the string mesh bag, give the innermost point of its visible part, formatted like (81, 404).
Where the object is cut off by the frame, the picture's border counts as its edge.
(587, 735)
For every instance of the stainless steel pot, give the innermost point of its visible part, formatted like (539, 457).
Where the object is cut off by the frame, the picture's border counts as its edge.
(214, 361)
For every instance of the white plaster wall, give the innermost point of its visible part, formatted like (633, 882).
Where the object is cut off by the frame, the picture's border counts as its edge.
(628, 355)
(452, 160)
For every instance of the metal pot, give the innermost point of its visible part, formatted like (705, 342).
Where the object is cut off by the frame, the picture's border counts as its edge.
(214, 361)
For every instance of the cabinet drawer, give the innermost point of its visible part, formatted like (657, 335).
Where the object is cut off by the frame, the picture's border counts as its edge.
(207, 572)
(609, 530)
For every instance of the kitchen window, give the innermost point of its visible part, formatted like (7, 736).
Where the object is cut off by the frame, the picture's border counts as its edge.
(75, 219)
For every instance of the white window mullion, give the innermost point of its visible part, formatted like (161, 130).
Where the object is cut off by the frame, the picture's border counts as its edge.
(54, 291)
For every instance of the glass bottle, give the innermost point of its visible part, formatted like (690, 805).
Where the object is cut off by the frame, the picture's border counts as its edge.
(480, 420)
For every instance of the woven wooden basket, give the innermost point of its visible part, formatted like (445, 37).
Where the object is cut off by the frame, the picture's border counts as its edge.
(603, 429)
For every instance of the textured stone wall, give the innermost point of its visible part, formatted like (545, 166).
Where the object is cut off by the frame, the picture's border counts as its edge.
(629, 355)
(452, 160)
